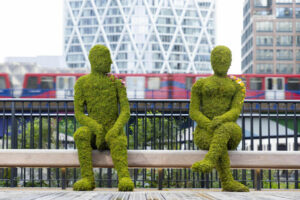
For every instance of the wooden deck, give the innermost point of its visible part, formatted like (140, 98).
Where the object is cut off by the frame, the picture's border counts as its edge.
(143, 194)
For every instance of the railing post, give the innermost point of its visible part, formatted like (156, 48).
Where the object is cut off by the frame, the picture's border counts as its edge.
(14, 142)
(63, 178)
(257, 179)
(160, 178)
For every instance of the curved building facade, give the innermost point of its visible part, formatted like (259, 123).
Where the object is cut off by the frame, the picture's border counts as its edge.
(144, 36)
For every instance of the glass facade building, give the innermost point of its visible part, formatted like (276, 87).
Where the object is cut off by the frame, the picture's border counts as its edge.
(270, 40)
(144, 36)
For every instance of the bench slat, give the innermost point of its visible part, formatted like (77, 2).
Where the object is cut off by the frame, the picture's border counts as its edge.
(146, 159)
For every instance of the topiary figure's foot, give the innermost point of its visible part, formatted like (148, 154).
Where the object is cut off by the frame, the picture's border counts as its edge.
(125, 184)
(234, 186)
(204, 166)
(84, 184)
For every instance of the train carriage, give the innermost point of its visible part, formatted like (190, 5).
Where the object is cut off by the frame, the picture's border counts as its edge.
(163, 86)
(5, 86)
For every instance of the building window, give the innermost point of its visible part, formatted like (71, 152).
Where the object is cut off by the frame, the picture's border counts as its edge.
(284, 1)
(298, 54)
(255, 83)
(298, 68)
(283, 68)
(298, 40)
(298, 26)
(284, 12)
(284, 40)
(264, 54)
(264, 68)
(261, 3)
(264, 26)
(284, 26)
(297, 12)
(282, 54)
(264, 40)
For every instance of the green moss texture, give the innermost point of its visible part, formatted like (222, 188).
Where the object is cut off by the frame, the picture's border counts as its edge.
(216, 102)
(103, 95)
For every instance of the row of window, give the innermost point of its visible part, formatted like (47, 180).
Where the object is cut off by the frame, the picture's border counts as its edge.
(267, 26)
(284, 40)
(281, 54)
(281, 68)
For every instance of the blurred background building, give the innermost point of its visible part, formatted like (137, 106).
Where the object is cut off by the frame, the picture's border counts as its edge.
(144, 36)
(271, 37)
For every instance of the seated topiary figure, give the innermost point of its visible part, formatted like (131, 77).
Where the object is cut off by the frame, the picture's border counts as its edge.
(216, 102)
(103, 127)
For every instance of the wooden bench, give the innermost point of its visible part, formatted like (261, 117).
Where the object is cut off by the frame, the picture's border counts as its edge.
(148, 159)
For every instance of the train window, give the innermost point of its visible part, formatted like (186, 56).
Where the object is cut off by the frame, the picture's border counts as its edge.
(270, 84)
(60, 83)
(255, 83)
(32, 83)
(279, 84)
(47, 83)
(188, 83)
(293, 84)
(154, 83)
(71, 82)
(2, 82)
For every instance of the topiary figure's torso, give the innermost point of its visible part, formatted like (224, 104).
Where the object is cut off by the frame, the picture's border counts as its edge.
(216, 103)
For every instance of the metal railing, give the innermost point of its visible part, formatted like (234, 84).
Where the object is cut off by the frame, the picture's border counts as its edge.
(154, 124)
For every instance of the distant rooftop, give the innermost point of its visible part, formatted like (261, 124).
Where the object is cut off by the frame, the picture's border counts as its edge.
(40, 61)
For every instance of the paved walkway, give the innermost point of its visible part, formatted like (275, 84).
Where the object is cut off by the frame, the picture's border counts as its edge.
(112, 194)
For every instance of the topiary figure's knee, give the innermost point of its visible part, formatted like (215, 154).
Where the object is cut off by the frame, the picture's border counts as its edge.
(82, 134)
(202, 138)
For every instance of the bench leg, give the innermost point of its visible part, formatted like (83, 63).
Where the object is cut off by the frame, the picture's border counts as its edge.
(257, 179)
(63, 178)
(160, 178)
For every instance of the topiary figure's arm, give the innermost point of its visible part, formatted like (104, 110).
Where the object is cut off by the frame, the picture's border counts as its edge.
(236, 107)
(124, 112)
(194, 112)
(79, 101)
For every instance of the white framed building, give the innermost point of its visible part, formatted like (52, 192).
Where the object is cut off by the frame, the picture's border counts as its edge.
(144, 36)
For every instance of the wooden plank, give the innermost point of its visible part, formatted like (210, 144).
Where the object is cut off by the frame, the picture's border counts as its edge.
(147, 159)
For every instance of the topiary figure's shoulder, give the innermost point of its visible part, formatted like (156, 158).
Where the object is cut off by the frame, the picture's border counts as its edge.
(116, 80)
(82, 79)
(199, 83)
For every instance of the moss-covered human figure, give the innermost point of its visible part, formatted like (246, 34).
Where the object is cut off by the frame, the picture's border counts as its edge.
(216, 102)
(103, 127)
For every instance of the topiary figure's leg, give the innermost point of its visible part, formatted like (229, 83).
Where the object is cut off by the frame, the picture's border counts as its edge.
(118, 151)
(82, 139)
(227, 181)
(218, 146)
(202, 139)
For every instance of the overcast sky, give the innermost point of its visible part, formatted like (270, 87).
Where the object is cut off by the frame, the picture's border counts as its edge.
(35, 27)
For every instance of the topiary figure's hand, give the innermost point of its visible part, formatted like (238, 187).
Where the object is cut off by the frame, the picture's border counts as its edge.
(216, 122)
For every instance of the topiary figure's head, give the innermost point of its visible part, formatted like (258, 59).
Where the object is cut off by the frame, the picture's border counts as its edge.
(220, 60)
(100, 59)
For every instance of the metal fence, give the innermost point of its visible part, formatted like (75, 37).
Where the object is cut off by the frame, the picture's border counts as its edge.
(154, 124)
